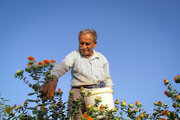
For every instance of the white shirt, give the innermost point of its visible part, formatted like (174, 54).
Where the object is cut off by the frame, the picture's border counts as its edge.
(85, 71)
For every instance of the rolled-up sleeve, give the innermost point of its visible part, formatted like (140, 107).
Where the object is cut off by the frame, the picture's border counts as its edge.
(63, 67)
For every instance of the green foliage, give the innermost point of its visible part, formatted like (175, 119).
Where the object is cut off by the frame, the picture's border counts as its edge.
(41, 108)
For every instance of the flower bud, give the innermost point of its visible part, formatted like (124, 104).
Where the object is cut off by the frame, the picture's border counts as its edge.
(123, 103)
(101, 108)
(165, 104)
(27, 69)
(50, 107)
(30, 62)
(15, 75)
(141, 115)
(19, 106)
(168, 114)
(15, 107)
(18, 72)
(54, 105)
(177, 79)
(166, 82)
(25, 103)
(178, 105)
(155, 103)
(95, 109)
(138, 118)
(114, 110)
(130, 110)
(174, 105)
(98, 99)
(131, 105)
(71, 93)
(117, 102)
(170, 87)
(147, 115)
(89, 92)
(178, 97)
(106, 106)
(136, 109)
(83, 91)
(160, 103)
(34, 65)
(138, 104)
(89, 106)
(51, 64)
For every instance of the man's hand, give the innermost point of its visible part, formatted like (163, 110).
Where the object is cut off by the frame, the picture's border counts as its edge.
(49, 89)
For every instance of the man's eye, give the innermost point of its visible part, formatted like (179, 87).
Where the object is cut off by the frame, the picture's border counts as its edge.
(87, 43)
(82, 43)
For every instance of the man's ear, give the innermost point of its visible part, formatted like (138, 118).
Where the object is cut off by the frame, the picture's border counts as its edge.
(95, 42)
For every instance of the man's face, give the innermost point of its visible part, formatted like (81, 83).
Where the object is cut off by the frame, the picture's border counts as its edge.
(87, 44)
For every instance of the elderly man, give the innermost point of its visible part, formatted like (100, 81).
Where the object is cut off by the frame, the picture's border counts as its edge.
(89, 68)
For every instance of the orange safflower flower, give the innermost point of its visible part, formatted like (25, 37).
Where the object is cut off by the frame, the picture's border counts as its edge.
(46, 62)
(160, 103)
(28, 65)
(25, 103)
(90, 118)
(165, 112)
(84, 115)
(40, 63)
(34, 61)
(162, 119)
(101, 108)
(15, 107)
(59, 89)
(30, 58)
(53, 61)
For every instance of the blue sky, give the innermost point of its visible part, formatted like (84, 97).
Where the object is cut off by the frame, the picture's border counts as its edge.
(140, 39)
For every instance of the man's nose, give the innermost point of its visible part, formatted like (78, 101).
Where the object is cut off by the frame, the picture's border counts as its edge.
(84, 46)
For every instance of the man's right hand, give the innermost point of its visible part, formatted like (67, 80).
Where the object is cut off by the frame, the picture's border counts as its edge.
(49, 89)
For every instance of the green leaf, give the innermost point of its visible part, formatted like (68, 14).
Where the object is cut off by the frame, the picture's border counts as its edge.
(31, 108)
(31, 94)
(30, 100)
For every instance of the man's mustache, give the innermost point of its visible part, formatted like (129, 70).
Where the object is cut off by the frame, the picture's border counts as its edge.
(84, 49)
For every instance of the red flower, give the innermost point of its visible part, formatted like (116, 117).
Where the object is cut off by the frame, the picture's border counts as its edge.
(166, 82)
(25, 103)
(147, 115)
(30, 58)
(84, 115)
(59, 89)
(40, 63)
(90, 118)
(53, 61)
(15, 107)
(160, 103)
(166, 92)
(162, 119)
(117, 101)
(46, 62)
(175, 78)
(28, 65)
(165, 112)
(101, 108)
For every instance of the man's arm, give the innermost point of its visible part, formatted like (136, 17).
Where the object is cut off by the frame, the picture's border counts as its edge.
(58, 70)
(49, 88)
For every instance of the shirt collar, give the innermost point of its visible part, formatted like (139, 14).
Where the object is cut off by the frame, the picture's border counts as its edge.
(95, 55)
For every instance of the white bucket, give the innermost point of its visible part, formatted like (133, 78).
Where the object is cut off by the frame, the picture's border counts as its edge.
(105, 93)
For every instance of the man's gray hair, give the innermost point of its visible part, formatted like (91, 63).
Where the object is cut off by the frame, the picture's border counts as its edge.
(84, 31)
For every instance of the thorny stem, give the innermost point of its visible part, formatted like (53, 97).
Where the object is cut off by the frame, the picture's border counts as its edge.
(37, 96)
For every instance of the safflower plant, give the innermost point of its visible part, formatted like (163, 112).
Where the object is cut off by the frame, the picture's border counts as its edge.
(38, 107)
